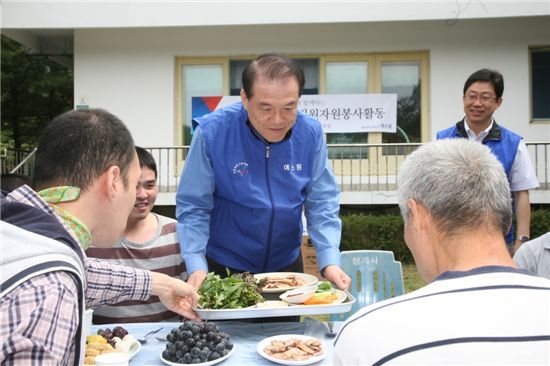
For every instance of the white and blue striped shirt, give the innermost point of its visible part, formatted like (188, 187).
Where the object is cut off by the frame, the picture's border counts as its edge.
(489, 315)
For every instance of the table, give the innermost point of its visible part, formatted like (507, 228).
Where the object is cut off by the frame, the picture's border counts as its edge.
(245, 337)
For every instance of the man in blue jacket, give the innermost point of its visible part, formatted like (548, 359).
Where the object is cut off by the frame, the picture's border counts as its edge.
(252, 168)
(482, 97)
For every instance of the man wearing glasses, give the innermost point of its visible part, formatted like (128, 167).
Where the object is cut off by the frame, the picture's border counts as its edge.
(482, 97)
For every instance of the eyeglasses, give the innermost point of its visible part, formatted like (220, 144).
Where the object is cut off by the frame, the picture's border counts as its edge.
(471, 98)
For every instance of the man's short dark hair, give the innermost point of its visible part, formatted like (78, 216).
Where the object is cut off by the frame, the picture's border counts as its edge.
(272, 66)
(146, 159)
(78, 146)
(489, 76)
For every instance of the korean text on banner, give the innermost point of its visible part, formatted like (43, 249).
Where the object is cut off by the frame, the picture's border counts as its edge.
(339, 113)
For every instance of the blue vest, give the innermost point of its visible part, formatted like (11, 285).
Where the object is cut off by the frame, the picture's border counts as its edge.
(255, 224)
(503, 144)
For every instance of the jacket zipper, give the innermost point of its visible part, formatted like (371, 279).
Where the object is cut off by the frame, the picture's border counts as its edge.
(270, 232)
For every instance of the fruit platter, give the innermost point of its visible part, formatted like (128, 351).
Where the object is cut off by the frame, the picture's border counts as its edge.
(243, 295)
(108, 341)
(196, 343)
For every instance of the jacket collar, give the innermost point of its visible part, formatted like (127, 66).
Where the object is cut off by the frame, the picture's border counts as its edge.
(495, 133)
(261, 138)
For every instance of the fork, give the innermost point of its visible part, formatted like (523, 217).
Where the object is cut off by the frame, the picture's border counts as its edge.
(143, 338)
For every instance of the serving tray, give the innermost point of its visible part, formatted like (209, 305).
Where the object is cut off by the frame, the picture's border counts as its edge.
(291, 310)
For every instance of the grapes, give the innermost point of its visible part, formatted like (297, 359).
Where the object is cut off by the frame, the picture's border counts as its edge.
(193, 342)
(109, 334)
(119, 332)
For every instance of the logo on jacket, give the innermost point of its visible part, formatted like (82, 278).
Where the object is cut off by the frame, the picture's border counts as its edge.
(241, 168)
(292, 167)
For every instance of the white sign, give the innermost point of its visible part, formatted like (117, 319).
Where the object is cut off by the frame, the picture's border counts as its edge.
(338, 113)
(351, 113)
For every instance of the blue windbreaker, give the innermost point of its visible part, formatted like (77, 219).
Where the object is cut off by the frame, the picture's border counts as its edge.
(503, 144)
(240, 198)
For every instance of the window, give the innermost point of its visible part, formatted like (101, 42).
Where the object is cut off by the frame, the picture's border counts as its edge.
(310, 67)
(196, 78)
(402, 73)
(540, 83)
(403, 79)
(347, 77)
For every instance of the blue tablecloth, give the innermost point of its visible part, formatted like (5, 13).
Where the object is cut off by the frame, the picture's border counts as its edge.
(245, 337)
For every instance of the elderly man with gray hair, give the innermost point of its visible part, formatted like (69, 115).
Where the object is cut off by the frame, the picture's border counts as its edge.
(455, 201)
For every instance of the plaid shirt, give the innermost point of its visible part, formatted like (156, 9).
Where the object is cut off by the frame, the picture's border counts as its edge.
(39, 319)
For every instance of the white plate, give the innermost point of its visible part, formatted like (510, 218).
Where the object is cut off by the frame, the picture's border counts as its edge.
(267, 341)
(307, 278)
(135, 351)
(136, 347)
(342, 296)
(213, 362)
(343, 304)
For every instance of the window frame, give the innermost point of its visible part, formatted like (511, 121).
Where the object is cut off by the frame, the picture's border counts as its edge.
(531, 49)
(180, 90)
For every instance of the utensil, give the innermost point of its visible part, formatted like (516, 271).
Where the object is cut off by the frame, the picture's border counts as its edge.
(331, 333)
(143, 338)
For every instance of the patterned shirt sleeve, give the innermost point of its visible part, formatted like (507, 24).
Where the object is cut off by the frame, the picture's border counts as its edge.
(41, 321)
(110, 283)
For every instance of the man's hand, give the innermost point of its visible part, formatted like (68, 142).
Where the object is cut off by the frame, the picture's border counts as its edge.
(175, 294)
(196, 278)
(334, 274)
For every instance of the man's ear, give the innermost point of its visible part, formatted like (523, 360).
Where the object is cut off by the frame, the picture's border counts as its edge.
(244, 99)
(417, 214)
(498, 103)
(113, 181)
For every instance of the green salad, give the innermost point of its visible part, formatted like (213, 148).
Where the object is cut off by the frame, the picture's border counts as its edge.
(236, 291)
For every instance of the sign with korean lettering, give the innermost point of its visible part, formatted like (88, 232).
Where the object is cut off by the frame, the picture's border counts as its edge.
(349, 113)
(338, 113)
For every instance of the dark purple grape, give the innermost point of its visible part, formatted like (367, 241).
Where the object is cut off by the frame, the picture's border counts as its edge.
(107, 334)
(187, 358)
(214, 356)
(119, 332)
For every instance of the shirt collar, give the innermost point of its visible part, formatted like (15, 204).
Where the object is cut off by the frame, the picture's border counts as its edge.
(27, 195)
(56, 195)
(480, 270)
(494, 131)
(472, 135)
(261, 138)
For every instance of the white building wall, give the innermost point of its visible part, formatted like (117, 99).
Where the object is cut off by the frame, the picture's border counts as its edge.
(131, 71)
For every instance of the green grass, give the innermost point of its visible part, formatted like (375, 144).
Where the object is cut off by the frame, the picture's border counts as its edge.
(411, 278)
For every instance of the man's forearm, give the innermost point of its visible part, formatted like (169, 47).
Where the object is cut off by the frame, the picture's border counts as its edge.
(523, 216)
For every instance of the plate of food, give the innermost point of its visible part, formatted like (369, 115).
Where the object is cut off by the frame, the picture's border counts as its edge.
(107, 341)
(274, 282)
(292, 349)
(196, 343)
(206, 363)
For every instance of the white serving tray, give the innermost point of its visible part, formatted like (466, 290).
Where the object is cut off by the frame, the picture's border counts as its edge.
(291, 310)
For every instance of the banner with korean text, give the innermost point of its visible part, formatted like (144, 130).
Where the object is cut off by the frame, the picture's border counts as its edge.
(338, 113)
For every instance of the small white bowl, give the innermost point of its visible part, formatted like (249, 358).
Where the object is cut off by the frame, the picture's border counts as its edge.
(112, 359)
(298, 295)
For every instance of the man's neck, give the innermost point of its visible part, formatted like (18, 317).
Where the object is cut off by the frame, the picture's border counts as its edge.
(141, 231)
(473, 250)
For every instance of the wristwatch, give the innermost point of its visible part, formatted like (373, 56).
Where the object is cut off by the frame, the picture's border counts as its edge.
(523, 238)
